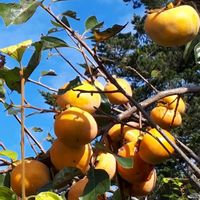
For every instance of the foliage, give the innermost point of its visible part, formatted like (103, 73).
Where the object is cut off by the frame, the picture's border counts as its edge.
(150, 68)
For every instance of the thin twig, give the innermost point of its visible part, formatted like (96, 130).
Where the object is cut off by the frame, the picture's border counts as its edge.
(160, 95)
(22, 133)
(30, 135)
(142, 77)
(42, 85)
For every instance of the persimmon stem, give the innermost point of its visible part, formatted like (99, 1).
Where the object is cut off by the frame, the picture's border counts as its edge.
(22, 132)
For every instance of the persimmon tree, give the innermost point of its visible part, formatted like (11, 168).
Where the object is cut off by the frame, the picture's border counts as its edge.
(103, 133)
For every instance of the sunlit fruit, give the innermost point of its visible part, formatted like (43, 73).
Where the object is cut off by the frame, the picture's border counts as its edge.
(174, 102)
(62, 155)
(117, 97)
(140, 170)
(173, 26)
(124, 133)
(36, 176)
(144, 188)
(107, 162)
(96, 83)
(165, 117)
(154, 148)
(81, 97)
(75, 127)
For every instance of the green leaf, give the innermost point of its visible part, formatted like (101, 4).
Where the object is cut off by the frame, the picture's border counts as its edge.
(92, 23)
(155, 73)
(71, 14)
(2, 90)
(16, 51)
(47, 196)
(7, 194)
(197, 53)
(124, 162)
(37, 129)
(48, 73)
(11, 110)
(189, 48)
(50, 138)
(116, 195)
(166, 180)
(34, 61)
(72, 84)
(51, 42)
(12, 78)
(65, 175)
(13, 13)
(5, 179)
(65, 21)
(108, 33)
(10, 154)
(98, 183)
(56, 24)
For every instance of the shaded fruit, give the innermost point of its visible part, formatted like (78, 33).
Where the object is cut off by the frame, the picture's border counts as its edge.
(140, 170)
(75, 127)
(174, 26)
(145, 187)
(117, 97)
(172, 101)
(165, 117)
(62, 155)
(36, 176)
(85, 100)
(77, 189)
(154, 152)
(107, 162)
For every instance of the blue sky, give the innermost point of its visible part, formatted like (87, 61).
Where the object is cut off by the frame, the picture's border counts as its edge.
(110, 11)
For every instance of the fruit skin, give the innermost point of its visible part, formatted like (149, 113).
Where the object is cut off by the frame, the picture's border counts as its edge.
(171, 103)
(77, 190)
(117, 97)
(173, 27)
(124, 133)
(36, 175)
(140, 170)
(107, 162)
(86, 101)
(75, 127)
(62, 156)
(96, 83)
(144, 188)
(151, 151)
(165, 118)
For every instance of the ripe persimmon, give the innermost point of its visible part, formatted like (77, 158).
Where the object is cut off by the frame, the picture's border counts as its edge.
(36, 176)
(107, 162)
(165, 117)
(75, 127)
(174, 26)
(172, 101)
(77, 189)
(80, 97)
(154, 148)
(145, 187)
(117, 97)
(124, 133)
(62, 155)
(140, 170)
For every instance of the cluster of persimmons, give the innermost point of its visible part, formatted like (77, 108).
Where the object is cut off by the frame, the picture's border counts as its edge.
(75, 126)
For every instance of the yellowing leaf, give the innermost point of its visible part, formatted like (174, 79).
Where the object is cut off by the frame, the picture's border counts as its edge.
(17, 51)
